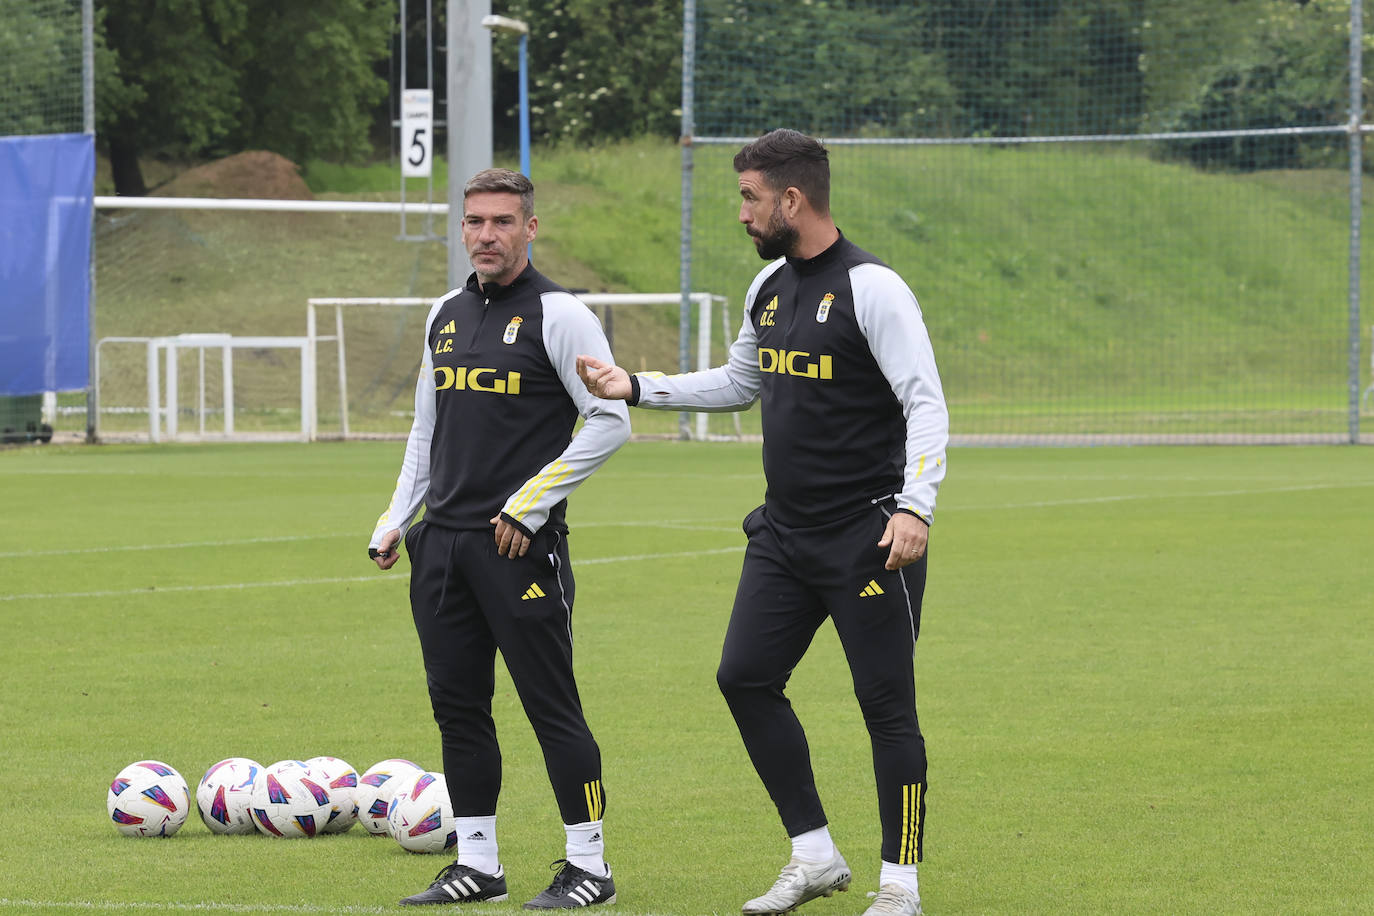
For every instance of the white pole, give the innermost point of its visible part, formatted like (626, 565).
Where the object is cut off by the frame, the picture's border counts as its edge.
(727, 335)
(311, 333)
(228, 367)
(309, 425)
(173, 407)
(469, 118)
(200, 410)
(343, 371)
(703, 301)
(154, 386)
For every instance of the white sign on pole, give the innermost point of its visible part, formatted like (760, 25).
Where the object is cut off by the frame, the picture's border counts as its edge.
(417, 135)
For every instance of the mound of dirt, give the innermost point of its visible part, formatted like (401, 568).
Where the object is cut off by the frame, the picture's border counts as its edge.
(256, 173)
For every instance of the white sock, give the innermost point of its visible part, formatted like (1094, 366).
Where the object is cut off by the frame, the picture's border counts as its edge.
(477, 843)
(586, 847)
(814, 846)
(900, 875)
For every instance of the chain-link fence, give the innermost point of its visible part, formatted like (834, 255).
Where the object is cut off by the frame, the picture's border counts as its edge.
(1125, 220)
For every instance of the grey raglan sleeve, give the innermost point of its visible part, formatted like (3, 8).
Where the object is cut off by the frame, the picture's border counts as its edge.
(413, 482)
(733, 386)
(890, 319)
(570, 329)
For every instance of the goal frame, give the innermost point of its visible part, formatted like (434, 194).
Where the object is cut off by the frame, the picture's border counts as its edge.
(164, 401)
(708, 305)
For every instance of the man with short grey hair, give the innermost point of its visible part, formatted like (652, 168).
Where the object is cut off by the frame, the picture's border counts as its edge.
(492, 457)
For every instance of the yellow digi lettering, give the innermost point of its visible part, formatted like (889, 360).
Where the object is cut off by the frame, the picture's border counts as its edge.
(462, 378)
(475, 383)
(810, 369)
(798, 363)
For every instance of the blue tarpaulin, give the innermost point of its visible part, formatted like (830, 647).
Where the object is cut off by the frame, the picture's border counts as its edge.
(47, 187)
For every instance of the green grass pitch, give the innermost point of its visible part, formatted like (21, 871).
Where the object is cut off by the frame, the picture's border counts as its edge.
(1146, 678)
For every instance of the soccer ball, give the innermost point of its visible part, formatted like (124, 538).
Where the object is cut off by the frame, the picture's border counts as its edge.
(225, 794)
(342, 782)
(148, 798)
(375, 788)
(290, 800)
(420, 817)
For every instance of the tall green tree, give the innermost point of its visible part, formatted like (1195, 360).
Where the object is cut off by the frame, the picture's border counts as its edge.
(598, 69)
(1286, 65)
(828, 68)
(191, 77)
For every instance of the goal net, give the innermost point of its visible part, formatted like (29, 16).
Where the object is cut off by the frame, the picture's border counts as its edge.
(366, 353)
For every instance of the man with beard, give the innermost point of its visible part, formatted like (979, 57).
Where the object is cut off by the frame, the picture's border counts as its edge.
(854, 432)
(492, 456)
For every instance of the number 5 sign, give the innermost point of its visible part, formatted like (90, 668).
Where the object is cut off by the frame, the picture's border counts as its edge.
(417, 137)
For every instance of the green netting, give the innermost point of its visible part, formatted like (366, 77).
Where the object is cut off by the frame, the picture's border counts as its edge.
(40, 67)
(1122, 218)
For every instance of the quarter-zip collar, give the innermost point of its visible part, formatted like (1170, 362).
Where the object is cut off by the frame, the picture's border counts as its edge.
(821, 261)
(494, 292)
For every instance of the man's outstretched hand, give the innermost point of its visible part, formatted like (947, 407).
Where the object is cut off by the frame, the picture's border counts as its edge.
(608, 382)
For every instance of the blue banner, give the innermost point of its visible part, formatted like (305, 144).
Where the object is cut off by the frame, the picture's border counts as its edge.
(47, 188)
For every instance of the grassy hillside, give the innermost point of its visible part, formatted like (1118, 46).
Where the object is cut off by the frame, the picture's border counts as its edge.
(1066, 290)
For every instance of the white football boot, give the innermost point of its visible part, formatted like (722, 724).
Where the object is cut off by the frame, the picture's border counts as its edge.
(799, 882)
(894, 900)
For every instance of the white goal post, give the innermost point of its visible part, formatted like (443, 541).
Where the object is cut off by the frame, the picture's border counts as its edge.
(321, 329)
(160, 364)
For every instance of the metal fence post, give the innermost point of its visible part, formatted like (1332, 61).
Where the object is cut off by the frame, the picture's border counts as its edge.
(1356, 204)
(689, 41)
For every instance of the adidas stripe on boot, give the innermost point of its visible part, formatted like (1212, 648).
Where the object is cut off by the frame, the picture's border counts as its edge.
(573, 887)
(460, 884)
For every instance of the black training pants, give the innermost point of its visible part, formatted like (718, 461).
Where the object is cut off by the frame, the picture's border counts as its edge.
(793, 579)
(468, 602)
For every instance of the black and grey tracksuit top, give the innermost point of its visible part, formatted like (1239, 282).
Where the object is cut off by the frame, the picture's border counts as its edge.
(836, 351)
(495, 406)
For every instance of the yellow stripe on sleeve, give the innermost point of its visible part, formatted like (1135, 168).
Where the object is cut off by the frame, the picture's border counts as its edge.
(532, 492)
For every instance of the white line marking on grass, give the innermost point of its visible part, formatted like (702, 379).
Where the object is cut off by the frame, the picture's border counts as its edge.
(116, 906)
(658, 556)
(173, 546)
(709, 524)
(1127, 497)
(176, 907)
(687, 525)
(374, 577)
(227, 586)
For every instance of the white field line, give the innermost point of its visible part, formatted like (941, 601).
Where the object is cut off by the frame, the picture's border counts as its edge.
(112, 906)
(142, 547)
(118, 907)
(354, 535)
(1208, 494)
(709, 524)
(338, 580)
